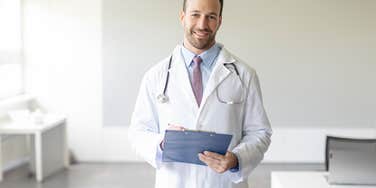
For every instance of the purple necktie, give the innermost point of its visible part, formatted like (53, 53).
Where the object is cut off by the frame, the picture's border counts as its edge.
(197, 79)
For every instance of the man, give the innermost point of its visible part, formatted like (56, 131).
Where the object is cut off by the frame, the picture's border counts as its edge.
(201, 87)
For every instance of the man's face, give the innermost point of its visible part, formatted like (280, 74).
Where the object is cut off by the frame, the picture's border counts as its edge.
(201, 20)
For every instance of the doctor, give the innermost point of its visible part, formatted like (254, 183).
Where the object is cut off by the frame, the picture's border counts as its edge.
(201, 86)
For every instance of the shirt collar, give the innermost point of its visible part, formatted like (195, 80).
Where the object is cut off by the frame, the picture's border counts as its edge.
(207, 56)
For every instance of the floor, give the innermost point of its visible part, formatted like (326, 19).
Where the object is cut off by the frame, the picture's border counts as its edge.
(121, 175)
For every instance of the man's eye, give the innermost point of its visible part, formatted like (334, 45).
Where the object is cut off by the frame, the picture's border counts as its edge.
(212, 17)
(195, 15)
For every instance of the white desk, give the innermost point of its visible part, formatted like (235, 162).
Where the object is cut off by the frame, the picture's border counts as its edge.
(48, 141)
(305, 179)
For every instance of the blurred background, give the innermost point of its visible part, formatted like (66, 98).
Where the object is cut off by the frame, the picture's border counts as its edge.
(79, 64)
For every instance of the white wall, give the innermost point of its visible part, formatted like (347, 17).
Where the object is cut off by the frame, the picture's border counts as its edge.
(63, 52)
(133, 40)
(315, 60)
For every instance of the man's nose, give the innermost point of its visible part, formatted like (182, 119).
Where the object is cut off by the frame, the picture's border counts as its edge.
(203, 22)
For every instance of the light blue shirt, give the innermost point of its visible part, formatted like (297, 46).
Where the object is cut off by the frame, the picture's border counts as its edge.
(208, 57)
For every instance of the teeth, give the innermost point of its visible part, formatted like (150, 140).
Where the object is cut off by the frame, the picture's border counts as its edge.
(201, 34)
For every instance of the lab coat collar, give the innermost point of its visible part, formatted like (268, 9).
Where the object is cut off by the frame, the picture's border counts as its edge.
(220, 73)
(181, 75)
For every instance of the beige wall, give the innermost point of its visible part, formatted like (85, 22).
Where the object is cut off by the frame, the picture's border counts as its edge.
(316, 59)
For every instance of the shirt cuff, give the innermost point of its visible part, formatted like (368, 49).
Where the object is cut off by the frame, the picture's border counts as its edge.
(158, 156)
(236, 168)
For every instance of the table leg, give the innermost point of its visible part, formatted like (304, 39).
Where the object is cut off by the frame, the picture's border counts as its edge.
(38, 156)
(1, 161)
(65, 145)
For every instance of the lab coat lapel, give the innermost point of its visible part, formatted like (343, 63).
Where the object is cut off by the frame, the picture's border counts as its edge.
(219, 73)
(182, 77)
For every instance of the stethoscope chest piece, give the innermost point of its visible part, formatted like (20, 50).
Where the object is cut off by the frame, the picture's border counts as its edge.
(162, 98)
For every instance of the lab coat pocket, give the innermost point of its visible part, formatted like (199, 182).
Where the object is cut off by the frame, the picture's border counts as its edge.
(231, 90)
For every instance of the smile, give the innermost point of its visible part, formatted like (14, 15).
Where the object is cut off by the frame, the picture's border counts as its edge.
(200, 34)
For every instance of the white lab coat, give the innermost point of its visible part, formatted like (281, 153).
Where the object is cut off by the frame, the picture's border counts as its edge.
(247, 122)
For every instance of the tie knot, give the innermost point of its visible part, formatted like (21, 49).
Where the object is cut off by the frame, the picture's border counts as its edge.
(197, 60)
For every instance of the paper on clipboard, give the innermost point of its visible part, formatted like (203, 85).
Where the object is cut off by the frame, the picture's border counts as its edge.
(184, 146)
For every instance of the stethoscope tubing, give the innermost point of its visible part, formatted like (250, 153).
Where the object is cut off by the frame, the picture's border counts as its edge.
(163, 98)
(168, 76)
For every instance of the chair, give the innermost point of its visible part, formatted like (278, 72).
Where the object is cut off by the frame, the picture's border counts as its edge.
(350, 160)
(332, 140)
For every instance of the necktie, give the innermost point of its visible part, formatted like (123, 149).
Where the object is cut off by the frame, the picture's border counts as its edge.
(197, 79)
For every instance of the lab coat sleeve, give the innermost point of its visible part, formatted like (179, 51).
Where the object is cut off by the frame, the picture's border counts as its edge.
(144, 133)
(256, 133)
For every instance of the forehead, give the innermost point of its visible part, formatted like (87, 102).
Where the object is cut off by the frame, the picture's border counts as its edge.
(212, 6)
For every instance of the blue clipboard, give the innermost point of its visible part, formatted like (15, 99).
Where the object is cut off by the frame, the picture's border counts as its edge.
(184, 146)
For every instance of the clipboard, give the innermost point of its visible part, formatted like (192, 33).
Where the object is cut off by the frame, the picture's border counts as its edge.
(184, 146)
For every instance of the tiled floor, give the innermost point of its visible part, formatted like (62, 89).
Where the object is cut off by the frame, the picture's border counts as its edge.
(124, 175)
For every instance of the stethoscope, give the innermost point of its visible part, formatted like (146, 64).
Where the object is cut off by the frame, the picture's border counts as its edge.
(163, 98)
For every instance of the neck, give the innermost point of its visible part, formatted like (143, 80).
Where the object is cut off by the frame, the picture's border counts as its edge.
(196, 50)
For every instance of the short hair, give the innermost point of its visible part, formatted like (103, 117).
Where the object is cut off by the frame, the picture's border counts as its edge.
(220, 1)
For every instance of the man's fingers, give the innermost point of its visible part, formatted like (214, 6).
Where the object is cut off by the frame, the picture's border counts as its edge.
(214, 155)
(208, 159)
(219, 163)
(175, 127)
(213, 163)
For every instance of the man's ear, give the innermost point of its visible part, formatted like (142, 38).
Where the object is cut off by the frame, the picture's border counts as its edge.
(181, 17)
(220, 22)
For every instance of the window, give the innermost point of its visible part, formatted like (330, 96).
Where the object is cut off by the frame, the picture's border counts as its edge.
(11, 66)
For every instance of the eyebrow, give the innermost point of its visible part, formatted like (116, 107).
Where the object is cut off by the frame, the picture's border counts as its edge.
(210, 13)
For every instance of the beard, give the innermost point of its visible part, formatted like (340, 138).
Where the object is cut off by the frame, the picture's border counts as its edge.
(200, 43)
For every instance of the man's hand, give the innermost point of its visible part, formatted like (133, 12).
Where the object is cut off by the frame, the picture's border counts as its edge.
(172, 127)
(175, 127)
(217, 162)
